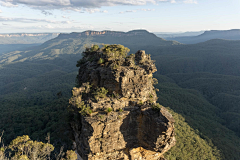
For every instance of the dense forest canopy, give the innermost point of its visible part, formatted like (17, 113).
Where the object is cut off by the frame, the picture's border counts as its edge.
(199, 83)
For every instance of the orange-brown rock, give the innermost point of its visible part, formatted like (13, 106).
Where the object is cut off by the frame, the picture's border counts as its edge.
(114, 111)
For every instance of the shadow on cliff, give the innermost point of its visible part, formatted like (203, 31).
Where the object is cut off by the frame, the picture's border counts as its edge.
(142, 128)
(84, 136)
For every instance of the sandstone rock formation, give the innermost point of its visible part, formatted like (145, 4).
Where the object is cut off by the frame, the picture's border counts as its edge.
(114, 114)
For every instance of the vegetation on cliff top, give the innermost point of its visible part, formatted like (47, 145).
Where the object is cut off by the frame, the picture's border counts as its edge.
(110, 59)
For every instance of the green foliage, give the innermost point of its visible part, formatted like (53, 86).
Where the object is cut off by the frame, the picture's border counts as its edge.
(208, 102)
(94, 48)
(24, 146)
(120, 110)
(155, 81)
(200, 115)
(140, 102)
(85, 110)
(101, 116)
(90, 52)
(100, 61)
(115, 66)
(150, 95)
(131, 56)
(100, 93)
(108, 110)
(156, 107)
(218, 91)
(80, 105)
(189, 144)
(115, 51)
(36, 117)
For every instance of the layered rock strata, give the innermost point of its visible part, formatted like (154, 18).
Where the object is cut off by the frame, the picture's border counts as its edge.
(114, 114)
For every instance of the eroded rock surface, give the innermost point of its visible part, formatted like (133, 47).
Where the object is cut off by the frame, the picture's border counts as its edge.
(114, 114)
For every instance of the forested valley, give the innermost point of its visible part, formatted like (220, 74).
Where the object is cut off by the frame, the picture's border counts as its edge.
(199, 83)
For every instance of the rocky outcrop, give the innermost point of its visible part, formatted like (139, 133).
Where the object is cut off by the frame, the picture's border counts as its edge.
(114, 114)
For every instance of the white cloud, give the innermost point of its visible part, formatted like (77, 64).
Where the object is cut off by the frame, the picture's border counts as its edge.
(190, 1)
(77, 5)
(105, 11)
(6, 3)
(52, 27)
(129, 11)
(28, 20)
(147, 10)
(0, 11)
(48, 26)
(90, 10)
(55, 4)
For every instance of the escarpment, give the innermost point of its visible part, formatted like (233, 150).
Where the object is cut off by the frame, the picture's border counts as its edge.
(113, 111)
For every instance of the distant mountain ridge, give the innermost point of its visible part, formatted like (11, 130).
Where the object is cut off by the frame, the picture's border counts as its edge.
(75, 43)
(233, 34)
(27, 34)
(26, 38)
(166, 35)
(116, 34)
(106, 32)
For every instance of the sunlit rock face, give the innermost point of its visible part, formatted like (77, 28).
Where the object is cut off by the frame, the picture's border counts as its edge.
(113, 111)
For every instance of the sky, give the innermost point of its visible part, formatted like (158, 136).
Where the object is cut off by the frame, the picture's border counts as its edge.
(37, 16)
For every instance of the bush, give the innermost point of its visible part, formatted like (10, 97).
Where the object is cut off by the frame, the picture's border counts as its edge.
(100, 93)
(156, 107)
(120, 110)
(23, 146)
(85, 110)
(115, 66)
(150, 95)
(115, 51)
(94, 48)
(100, 61)
(140, 102)
(108, 110)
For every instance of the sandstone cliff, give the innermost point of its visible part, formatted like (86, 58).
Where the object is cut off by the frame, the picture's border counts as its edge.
(114, 114)
(104, 33)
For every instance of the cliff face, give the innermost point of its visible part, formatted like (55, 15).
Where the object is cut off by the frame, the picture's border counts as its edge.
(108, 33)
(114, 114)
